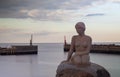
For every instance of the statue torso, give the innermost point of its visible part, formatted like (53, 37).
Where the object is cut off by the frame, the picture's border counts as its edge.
(81, 43)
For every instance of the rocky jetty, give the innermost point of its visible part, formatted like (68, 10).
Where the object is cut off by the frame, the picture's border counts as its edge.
(66, 69)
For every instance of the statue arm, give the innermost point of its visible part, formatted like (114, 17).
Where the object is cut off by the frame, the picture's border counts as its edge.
(71, 49)
(89, 45)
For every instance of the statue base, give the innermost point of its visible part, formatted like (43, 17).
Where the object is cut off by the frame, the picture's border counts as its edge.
(66, 69)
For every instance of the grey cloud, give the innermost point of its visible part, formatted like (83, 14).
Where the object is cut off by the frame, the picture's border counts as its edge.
(12, 33)
(52, 15)
(11, 14)
(45, 33)
(95, 14)
(77, 4)
(41, 9)
(9, 3)
(9, 31)
(117, 1)
(30, 4)
(11, 8)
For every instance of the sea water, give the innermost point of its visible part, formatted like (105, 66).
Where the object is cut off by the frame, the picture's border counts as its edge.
(45, 63)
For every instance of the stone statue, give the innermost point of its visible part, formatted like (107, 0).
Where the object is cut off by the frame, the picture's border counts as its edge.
(78, 64)
(81, 43)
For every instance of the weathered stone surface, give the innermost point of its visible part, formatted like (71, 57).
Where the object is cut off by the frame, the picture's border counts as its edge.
(92, 70)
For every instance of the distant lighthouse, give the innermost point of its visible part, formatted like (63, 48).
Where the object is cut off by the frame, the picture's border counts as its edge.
(31, 40)
(65, 43)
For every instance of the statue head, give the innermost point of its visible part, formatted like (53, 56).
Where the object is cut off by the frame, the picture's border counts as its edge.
(80, 27)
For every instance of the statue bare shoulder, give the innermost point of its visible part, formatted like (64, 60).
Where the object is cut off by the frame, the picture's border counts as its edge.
(88, 38)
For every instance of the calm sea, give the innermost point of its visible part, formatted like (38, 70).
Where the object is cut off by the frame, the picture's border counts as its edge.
(45, 63)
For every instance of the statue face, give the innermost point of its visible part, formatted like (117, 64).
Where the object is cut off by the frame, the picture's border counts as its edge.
(80, 28)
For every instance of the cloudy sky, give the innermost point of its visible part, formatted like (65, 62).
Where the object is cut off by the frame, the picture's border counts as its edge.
(51, 20)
